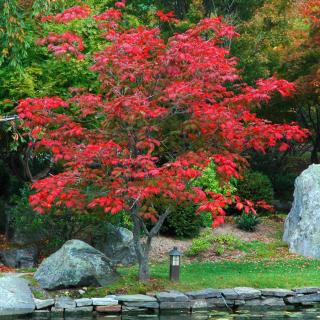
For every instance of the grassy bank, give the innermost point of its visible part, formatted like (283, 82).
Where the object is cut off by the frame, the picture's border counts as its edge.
(259, 274)
(218, 261)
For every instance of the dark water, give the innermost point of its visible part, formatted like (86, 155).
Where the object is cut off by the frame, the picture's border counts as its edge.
(250, 315)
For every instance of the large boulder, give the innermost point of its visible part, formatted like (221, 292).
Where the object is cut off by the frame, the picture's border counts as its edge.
(117, 244)
(15, 297)
(75, 264)
(302, 228)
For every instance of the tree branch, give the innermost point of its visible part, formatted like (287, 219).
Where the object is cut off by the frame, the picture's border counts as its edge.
(155, 230)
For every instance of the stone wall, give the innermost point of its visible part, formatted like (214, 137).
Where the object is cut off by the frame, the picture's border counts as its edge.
(188, 302)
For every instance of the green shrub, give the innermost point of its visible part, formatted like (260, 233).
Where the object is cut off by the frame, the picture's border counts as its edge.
(198, 246)
(209, 181)
(207, 240)
(247, 221)
(51, 230)
(183, 222)
(256, 186)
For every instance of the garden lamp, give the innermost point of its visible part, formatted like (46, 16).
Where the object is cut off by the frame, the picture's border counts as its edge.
(175, 259)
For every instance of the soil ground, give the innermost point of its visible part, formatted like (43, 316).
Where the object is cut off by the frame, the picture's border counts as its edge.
(268, 231)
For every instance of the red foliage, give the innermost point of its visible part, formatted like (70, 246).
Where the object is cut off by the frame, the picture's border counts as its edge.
(166, 109)
(5, 269)
(66, 44)
(167, 17)
(74, 13)
(311, 9)
(120, 4)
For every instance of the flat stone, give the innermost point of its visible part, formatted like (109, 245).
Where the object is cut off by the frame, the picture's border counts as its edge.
(230, 294)
(171, 296)
(15, 297)
(237, 302)
(253, 302)
(136, 298)
(273, 302)
(277, 292)
(247, 293)
(40, 312)
(309, 298)
(215, 302)
(138, 310)
(107, 301)
(83, 302)
(199, 304)
(57, 310)
(108, 309)
(169, 305)
(64, 303)
(307, 290)
(143, 304)
(88, 309)
(43, 304)
(264, 304)
(204, 294)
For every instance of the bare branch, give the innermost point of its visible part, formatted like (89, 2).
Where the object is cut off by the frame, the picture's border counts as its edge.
(155, 230)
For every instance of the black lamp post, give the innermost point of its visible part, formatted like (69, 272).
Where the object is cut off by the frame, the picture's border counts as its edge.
(175, 260)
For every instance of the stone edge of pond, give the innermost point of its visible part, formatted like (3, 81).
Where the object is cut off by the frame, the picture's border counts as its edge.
(231, 299)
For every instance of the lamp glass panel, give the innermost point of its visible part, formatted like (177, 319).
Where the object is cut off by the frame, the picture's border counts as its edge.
(175, 260)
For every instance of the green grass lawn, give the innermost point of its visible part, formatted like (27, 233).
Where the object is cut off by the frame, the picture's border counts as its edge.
(264, 273)
(260, 265)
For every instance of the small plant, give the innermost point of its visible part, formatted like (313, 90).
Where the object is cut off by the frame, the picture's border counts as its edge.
(198, 246)
(247, 221)
(220, 250)
(207, 240)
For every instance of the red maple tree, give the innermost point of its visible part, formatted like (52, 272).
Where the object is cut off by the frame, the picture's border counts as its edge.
(166, 109)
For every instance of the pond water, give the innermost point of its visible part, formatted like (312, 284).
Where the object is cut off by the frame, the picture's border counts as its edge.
(306, 314)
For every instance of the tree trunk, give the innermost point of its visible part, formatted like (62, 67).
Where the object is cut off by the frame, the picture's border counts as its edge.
(143, 246)
(314, 154)
(144, 271)
(181, 9)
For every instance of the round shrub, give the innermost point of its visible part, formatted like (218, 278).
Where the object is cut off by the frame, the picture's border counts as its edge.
(256, 186)
(183, 222)
(247, 221)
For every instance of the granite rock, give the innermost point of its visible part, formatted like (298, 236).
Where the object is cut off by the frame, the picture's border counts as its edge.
(20, 257)
(169, 305)
(15, 297)
(307, 290)
(247, 293)
(117, 244)
(64, 303)
(136, 298)
(75, 264)
(302, 228)
(277, 292)
(43, 304)
(301, 299)
(171, 296)
(83, 302)
(204, 294)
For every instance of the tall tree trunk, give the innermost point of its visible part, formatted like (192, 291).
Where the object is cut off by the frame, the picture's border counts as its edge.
(314, 153)
(143, 246)
(181, 8)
